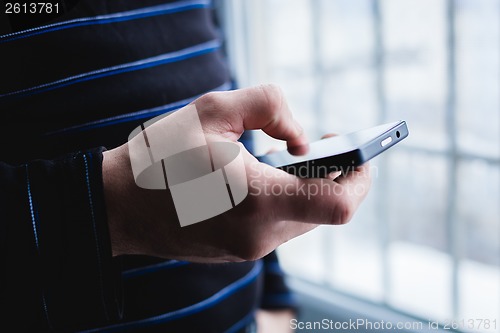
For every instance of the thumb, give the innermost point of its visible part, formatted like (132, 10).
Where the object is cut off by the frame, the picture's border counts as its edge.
(320, 201)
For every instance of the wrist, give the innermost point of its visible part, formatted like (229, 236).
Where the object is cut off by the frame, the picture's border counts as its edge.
(117, 175)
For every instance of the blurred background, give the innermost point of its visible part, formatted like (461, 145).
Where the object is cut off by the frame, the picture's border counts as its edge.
(426, 242)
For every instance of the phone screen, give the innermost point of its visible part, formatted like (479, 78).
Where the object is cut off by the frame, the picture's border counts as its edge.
(332, 146)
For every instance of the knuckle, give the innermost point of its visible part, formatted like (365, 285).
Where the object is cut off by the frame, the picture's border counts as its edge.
(274, 96)
(272, 88)
(252, 252)
(210, 100)
(343, 212)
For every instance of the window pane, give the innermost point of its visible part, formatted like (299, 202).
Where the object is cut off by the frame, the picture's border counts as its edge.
(355, 252)
(400, 245)
(415, 45)
(478, 68)
(479, 212)
(420, 270)
(304, 256)
(415, 195)
(347, 68)
(287, 36)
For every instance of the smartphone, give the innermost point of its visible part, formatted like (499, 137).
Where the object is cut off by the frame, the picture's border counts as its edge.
(339, 153)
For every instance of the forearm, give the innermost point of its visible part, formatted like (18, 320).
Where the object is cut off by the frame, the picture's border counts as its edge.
(138, 218)
(114, 175)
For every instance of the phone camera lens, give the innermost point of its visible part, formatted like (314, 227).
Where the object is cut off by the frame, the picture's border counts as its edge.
(398, 134)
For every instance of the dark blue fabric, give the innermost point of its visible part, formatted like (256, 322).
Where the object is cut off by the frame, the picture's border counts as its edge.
(57, 273)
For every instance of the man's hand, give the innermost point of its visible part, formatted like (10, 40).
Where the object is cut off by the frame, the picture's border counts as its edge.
(145, 221)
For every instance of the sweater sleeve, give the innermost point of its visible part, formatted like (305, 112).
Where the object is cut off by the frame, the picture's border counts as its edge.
(276, 294)
(57, 273)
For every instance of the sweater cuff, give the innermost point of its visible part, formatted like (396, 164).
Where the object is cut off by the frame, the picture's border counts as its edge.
(80, 283)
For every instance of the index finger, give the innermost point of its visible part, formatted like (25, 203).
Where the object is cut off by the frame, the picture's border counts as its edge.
(262, 107)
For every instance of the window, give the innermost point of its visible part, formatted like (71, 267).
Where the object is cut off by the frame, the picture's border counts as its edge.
(427, 239)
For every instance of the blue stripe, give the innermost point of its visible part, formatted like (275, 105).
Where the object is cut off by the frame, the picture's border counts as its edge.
(110, 18)
(189, 310)
(273, 268)
(132, 273)
(147, 113)
(242, 323)
(162, 59)
(98, 249)
(124, 118)
(32, 210)
(34, 222)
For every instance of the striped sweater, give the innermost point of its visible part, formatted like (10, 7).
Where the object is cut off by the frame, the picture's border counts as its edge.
(71, 86)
